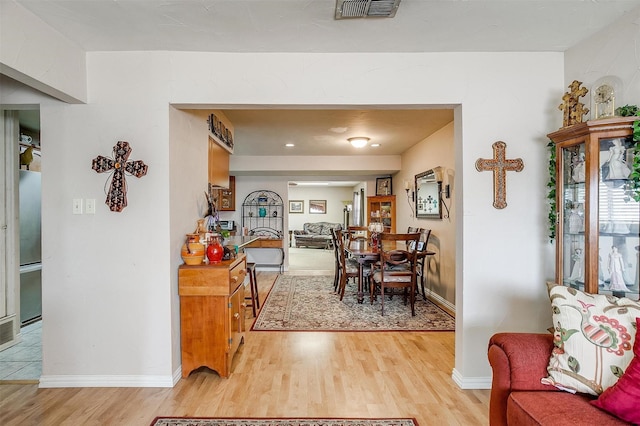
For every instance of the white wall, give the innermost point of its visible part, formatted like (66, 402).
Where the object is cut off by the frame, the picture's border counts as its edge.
(613, 51)
(334, 197)
(187, 146)
(134, 106)
(35, 54)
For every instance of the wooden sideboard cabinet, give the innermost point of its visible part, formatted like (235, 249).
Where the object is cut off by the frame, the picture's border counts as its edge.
(211, 314)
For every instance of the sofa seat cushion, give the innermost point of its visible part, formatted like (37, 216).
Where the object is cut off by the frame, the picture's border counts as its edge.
(555, 408)
(313, 237)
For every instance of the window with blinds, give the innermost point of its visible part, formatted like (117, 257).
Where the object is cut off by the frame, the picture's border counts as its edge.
(616, 205)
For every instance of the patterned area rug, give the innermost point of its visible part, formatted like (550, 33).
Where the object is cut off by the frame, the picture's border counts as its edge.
(307, 303)
(200, 421)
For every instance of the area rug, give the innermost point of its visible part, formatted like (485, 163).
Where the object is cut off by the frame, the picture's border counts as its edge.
(307, 303)
(222, 421)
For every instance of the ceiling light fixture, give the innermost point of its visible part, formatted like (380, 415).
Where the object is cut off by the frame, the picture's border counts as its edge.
(358, 142)
(375, 145)
(289, 145)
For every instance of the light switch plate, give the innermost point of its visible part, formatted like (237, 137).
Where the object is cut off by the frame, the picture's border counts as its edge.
(77, 206)
(90, 205)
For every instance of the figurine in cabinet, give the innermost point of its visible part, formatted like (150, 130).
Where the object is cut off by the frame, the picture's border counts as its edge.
(578, 174)
(576, 221)
(616, 269)
(577, 273)
(616, 166)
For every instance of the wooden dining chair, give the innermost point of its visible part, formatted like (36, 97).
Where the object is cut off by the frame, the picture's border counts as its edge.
(396, 269)
(336, 246)
(412, 230)
(348, 267)
(357, 233)
(422, 257)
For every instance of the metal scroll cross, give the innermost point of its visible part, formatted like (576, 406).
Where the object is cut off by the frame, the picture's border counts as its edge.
(117, 195)
(499, 166)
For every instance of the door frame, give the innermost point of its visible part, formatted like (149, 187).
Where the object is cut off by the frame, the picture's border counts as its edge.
(9, 226)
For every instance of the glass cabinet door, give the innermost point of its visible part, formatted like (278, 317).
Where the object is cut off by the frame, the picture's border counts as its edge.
(573, 215)
(618, 217)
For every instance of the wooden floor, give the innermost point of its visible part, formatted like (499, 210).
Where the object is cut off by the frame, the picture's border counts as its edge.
(279, 374)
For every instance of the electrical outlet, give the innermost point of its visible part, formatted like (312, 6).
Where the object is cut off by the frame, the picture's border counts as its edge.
(77, 206)
(90, 205)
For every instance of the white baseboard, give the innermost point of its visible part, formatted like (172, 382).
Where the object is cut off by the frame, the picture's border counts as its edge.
(471, 382)
(107, 381)
(177, 375)
(444, 302)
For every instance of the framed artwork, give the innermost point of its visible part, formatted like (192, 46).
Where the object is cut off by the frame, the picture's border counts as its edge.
(383, 186)
(296, 206)
(318, 206)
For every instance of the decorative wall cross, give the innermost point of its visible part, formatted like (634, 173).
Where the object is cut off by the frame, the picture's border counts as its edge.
(499, 165)
(117, 194)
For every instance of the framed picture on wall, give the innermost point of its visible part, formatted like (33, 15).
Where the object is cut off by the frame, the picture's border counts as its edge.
(383, 186)
(318, 206)
(296, 206)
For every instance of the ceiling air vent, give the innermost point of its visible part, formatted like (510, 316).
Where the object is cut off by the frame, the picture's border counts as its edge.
(366, 8)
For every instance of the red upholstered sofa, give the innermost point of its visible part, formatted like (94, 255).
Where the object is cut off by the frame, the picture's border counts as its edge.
(519, 361)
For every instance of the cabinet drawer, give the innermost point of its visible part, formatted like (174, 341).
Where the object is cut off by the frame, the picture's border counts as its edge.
(237, 274)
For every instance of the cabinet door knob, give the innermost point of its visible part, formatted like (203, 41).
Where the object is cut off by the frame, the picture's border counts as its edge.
(234, 279)
(236, 315)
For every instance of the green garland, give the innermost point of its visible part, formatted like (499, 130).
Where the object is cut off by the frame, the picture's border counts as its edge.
(633, 187)
(551, 191)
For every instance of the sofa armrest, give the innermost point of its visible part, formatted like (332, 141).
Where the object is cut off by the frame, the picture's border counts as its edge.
(519, 361)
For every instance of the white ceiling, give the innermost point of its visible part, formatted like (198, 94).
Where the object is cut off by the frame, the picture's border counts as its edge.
(309, 26)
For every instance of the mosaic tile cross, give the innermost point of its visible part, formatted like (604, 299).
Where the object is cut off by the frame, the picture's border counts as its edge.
(499, 165)
(117, 194)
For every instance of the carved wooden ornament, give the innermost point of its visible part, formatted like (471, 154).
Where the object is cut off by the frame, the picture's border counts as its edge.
(499, 165)
(573, 110)
(117, 194)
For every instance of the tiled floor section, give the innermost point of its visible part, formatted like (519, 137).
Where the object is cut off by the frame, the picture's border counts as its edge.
(24, 360)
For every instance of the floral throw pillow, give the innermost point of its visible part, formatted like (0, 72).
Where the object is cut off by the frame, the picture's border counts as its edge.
(593, 337)
(623, 399)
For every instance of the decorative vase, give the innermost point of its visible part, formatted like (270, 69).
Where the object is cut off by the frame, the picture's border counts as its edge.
(215, 251)
(192, 250)
(262, 212)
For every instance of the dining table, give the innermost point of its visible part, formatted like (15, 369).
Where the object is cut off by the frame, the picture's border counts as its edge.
(366, 253)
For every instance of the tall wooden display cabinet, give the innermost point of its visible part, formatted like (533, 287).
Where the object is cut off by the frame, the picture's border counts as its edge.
(597, 228)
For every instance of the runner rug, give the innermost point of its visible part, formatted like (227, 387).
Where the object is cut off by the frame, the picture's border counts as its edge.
(201, 421)
(307, 303)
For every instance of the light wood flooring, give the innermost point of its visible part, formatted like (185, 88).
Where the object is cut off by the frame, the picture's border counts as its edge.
(279, 374)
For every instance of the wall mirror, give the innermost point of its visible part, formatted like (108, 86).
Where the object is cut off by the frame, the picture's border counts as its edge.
(428, 204)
